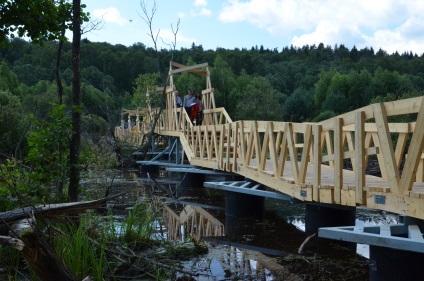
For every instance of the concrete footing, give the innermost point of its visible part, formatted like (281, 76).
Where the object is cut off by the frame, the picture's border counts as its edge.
(151, 169)
(239, 206)
(322, 215)
(192, 180)
(390, 264)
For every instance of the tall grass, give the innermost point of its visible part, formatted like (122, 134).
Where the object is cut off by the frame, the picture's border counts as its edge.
(9, 262)
(83, 255)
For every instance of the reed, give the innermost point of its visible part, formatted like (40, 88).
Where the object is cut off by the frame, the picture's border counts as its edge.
(83, 255)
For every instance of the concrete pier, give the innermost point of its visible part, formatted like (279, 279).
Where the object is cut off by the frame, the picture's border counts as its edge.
(325, 215)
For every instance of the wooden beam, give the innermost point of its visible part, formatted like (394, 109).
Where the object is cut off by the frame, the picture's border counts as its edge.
(307, 142)
(414, 153)
(292, 152)
(387, 147)
(338, 159)
(317, 130)
(359, 157)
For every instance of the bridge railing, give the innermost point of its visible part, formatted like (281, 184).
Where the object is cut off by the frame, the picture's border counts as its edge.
(284, 155)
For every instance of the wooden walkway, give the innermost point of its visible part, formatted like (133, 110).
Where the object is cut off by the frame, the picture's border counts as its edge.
(306, 160)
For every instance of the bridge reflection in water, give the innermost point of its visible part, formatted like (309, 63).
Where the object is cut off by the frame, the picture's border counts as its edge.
(233, 260)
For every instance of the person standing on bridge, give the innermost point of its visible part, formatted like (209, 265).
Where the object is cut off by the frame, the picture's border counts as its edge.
(178, 101)
(199, 117)
(189, 101)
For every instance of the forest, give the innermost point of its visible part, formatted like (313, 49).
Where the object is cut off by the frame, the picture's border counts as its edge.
(310, 83)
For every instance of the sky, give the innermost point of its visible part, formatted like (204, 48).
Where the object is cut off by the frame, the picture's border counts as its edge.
(392, 25)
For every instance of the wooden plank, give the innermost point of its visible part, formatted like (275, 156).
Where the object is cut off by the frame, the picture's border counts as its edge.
(317, 160)
(380, 157)
(338, 159)
(400, 148)
(228, 144)
(368, 151)
(372, 128)
(193, 68)
(272, 149)
(283, 155)
(351, 147)
(242, 140)
(414, 152)
(359, 156)
(215, 145)
(236, 146)
(250, 144)
(292, 152)
(326, 195)
(420, 171)
(386, 146)
(307, 139)
(264, 150)
(221, 148)
(329, 145)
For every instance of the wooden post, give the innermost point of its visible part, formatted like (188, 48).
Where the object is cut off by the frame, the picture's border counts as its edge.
(359, 157)
(414, 152)
(338, 159)
(317, 130)
(386, 147)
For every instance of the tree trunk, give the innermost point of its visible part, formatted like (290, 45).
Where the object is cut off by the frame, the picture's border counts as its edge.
(74, 173)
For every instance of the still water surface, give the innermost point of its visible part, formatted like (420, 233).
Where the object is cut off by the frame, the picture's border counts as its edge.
(262, 249)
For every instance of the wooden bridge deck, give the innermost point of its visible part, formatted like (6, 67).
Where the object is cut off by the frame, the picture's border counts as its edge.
(283, 155)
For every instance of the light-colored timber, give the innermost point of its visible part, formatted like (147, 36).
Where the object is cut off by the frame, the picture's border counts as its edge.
(306, 160)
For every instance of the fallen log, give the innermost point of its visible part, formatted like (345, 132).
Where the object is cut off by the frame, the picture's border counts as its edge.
(36, 250)
(49, 210)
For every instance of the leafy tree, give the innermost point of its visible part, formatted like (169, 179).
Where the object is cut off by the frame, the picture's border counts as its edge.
(143, 83)
(322, 86)
(49, 148)
(10, 122)
(8, 79)
(298, 107)
(224, 80)
(335, 102)
(37, 19)
(258, 101)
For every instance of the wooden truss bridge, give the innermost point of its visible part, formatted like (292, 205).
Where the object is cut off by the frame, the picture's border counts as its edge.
(306, 160)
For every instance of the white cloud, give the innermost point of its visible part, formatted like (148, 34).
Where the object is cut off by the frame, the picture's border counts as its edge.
(200, 8)
(110, 14)
(200, 3)
(349, 22)
(406, 37)
(205, 12)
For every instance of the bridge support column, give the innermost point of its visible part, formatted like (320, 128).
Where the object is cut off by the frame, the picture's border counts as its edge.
(151, 169)
(390, 264)
(239, 206)
(192, 179)
(324, 215)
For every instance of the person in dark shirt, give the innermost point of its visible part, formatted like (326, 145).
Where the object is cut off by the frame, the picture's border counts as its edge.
(198, 100)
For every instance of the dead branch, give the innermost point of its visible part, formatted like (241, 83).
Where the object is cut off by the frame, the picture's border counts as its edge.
(305, 242)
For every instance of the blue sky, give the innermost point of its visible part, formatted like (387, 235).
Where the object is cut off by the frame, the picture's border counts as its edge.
(390, 25)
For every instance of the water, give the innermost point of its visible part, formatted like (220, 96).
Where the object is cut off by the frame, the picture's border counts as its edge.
(263, 249)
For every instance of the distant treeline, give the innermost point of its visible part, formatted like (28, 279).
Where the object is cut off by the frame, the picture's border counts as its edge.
(294, 84)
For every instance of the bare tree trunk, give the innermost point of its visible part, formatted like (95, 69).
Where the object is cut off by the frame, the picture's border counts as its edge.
(60, 183)
(74, 173)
